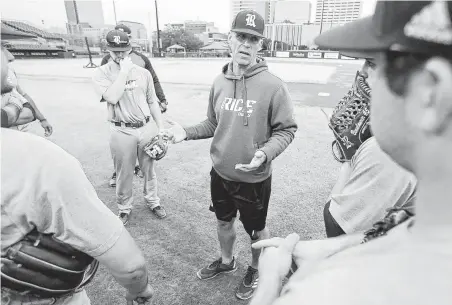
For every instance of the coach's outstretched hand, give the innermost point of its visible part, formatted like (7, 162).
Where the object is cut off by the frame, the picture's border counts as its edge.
(258, 160)
(175, 134)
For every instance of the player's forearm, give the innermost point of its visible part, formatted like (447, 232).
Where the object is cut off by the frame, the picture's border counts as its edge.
(267, 291)
(116, 90)
(135, 281)
(203, 130)
(156, 114)
(278, 142)
(159, 91)
(323, 248)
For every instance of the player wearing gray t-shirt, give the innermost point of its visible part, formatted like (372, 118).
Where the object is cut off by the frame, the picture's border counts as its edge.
(368, 184)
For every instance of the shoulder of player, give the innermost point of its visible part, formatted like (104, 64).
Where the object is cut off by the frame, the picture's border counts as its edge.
(103, 68)
(371, 154)
(43, 149)
(139, 59)
(106, 58)
(270, 82)
(141, 55)
(272, 78)
(142, 71)
(13, 97)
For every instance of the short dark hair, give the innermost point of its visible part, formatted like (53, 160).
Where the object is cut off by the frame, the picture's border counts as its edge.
(400, 67)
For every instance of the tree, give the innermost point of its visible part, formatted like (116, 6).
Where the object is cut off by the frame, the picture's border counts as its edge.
(180, 37)
(266, 44)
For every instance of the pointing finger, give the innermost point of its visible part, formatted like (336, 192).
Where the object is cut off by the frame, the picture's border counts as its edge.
(273, 242)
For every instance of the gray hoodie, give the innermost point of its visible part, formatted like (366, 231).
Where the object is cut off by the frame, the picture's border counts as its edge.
(264, 122)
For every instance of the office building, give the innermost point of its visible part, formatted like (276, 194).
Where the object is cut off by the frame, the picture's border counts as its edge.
(198, 27)
(174, 26)
(89, 12)
(295, 11)
(264, 8)
(337, 11)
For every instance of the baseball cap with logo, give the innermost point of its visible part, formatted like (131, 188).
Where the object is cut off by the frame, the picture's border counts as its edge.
(118, 41)
(423, 27)
(248, 22)
(124, 28)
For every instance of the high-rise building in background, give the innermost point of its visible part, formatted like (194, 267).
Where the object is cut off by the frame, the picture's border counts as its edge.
(264, 8)
(337, 11)
(90, 12)
(295, 11)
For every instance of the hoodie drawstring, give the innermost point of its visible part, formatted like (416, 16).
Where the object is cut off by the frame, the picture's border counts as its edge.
(245, 100)
(235, 88)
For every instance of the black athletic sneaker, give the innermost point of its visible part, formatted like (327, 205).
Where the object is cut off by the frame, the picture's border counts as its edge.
(249, 284)
(113, 180)
(125, 217)
(159, 211)
(137, 171)
(216, 268)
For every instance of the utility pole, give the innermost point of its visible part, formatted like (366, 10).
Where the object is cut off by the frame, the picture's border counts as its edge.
(150, 34)
(158, 31)
(273, 28)
(90, 64)
(321, 18)
(114, 10)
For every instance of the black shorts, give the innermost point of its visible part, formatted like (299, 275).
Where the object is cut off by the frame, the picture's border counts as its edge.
(250, 199)
(332, 228)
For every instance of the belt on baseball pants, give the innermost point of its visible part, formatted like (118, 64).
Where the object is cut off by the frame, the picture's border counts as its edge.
(134, 125)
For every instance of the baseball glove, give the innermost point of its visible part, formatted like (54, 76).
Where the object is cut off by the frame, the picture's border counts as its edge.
(157, 147)
(350, 120)
(393, 218)
(45, 267)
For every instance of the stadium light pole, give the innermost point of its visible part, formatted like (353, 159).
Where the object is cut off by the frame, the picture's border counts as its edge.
(114, 10)
(90, 64)
(321, 18)
(158, 31)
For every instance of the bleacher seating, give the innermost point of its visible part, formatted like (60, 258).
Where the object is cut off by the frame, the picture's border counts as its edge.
(32, 47)
(24, 27)
(45, 41)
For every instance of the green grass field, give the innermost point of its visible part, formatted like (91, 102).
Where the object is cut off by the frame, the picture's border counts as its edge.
(176, 247)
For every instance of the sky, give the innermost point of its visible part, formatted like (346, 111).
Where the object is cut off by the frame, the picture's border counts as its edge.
(51, 13)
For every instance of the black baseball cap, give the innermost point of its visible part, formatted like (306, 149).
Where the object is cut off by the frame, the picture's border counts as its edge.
(406, 26)
(124, 28)
(248, 22)
(118, 41)
(357, 54)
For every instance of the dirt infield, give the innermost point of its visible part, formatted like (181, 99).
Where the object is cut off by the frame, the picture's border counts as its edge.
(186, 240)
